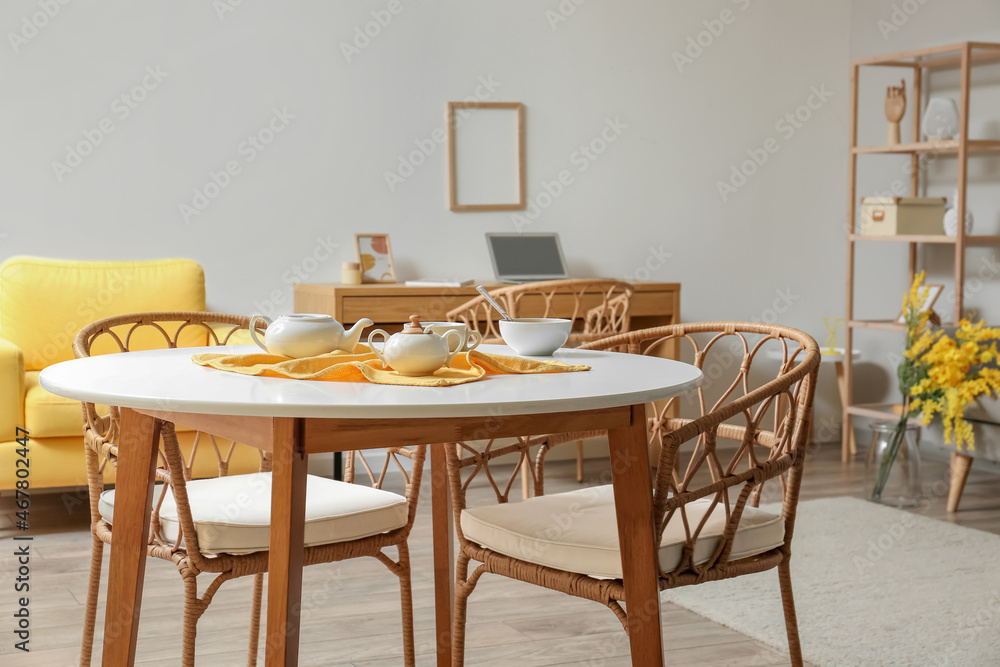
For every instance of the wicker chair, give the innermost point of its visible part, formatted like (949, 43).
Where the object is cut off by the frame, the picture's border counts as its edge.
(598, 307)
(705, 498)
(187, 526)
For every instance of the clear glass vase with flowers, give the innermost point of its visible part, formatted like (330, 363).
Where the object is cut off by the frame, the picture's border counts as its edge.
(940, 375)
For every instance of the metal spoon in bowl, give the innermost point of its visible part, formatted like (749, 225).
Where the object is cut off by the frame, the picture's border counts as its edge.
(493, 302)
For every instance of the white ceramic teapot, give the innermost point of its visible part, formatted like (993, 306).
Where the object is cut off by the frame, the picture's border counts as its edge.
(306, 335)
(416, 350)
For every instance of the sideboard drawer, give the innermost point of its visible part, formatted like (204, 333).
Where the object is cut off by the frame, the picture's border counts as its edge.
(399, 308)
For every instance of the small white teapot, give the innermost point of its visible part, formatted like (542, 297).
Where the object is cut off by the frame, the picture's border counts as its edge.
(416, 350)
(306, 335)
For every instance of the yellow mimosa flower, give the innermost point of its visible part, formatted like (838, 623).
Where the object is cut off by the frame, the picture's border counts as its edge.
(944, 374)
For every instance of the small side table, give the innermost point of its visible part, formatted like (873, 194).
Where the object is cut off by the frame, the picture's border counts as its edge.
(835, 357)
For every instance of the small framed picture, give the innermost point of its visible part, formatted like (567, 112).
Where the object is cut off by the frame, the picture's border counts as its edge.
(933, 292)
(375, 257)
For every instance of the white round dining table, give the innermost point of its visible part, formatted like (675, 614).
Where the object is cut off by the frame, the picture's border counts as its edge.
(293, 418)
(168, 380)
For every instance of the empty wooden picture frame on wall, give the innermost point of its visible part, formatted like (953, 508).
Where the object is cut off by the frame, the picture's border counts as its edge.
(375, 257)
(486, 156)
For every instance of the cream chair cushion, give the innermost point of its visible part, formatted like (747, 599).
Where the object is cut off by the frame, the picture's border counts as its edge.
(232, 514)
(578, 532)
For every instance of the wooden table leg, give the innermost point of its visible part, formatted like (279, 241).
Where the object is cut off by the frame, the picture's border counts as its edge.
(961, 464)
(288, 512)
(444, 555)
(138, 444)
(842, 388)
(636, 534)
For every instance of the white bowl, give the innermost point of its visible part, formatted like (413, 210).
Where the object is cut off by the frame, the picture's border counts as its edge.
(535, 336)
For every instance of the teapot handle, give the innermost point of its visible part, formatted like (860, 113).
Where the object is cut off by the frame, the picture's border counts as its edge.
(459, 347)
(473, 335)
(253, 329)
(371, 344)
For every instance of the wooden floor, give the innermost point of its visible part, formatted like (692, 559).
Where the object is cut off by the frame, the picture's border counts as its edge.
(351, 612)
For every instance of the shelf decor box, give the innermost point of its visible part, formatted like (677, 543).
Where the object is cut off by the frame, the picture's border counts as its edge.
(893, 216)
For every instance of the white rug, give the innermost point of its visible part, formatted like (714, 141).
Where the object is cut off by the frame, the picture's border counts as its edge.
(872, 586)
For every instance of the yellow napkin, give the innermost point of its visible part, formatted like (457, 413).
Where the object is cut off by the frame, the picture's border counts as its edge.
(363, 366)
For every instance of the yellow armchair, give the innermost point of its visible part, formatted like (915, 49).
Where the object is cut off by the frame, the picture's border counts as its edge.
(43, 303)
(11, 389)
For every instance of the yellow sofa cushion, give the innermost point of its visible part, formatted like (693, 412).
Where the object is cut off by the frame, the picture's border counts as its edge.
(11, 390)
(45, 302)
(49, 416)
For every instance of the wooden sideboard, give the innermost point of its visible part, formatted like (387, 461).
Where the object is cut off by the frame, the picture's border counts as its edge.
(390, 306)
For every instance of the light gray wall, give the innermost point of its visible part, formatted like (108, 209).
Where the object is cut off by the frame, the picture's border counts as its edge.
(884, 26)
(773, 249)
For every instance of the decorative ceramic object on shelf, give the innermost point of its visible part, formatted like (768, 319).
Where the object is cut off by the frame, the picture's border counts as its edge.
(940, 119)
(951, 217)
(895, 107)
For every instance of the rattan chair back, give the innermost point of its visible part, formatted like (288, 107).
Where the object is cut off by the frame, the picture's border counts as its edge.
(597, 307)
(760, 406)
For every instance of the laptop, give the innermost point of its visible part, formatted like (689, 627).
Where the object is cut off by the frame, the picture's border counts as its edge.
(523, 258)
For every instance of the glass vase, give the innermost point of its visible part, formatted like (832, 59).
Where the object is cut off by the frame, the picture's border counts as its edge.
(901, 486)
(941, 119)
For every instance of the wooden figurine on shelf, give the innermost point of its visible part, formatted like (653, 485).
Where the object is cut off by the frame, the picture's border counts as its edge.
(895, 107)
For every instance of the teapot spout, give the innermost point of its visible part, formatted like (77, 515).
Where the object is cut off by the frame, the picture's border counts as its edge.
(353, 335)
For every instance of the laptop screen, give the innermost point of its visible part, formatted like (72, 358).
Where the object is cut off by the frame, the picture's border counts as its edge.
(526, 256)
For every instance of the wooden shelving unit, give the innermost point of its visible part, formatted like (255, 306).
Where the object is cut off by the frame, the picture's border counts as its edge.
(970, 240)
(947, 147)
(963, 56)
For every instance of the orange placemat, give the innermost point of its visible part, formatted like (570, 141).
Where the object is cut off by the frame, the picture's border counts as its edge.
(363, 366)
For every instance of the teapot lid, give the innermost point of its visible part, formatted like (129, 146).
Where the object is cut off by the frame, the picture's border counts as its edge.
(414, 327)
